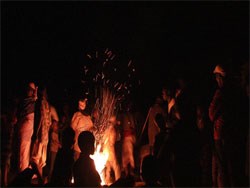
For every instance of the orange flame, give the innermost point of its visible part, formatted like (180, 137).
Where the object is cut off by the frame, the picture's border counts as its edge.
(100, 159)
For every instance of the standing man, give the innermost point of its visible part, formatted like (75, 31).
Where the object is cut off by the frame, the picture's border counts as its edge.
(225, 112)
(129, 139)
(26, 125)
(46, 117)
(109, 146)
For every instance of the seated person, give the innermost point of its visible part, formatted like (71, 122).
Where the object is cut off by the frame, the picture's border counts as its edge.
(85, 174)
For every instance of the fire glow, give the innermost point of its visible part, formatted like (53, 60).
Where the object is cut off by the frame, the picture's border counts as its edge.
(100, 158)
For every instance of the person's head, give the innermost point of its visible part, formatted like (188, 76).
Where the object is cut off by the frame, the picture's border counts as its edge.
(82, 103)
(86, 142)
(31, 89)
(44, 93)
(220, 75)
(168, 93)
(158, 101)
(150, 169)
(112, 120)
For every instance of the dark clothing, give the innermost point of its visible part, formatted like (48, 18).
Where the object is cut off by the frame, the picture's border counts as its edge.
(23, 179)
(62, 172)
(85, 174)
(26, 107)
(227, 113)
(186, 142)
(163, 150)
(160, 145)
(6, 140)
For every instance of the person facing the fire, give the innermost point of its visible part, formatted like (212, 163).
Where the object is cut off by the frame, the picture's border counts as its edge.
(81, 121)
(25, 125)
(109, 145)
(85, 174)
(45, 117)
(128, 123)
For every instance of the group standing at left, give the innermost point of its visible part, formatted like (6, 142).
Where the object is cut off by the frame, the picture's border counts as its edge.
(35, 122)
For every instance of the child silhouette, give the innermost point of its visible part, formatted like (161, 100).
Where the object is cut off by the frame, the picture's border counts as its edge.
(85, 174)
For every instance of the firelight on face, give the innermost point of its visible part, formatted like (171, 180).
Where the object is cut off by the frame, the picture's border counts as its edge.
(82, 104)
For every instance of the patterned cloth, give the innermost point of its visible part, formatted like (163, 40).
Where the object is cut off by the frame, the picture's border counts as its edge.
(80, 123)
(39, 153)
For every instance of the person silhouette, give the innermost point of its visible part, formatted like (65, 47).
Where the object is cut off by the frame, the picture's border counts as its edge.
(85, 174)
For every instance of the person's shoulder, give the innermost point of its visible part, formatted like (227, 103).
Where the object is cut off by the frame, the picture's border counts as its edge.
(77, 114)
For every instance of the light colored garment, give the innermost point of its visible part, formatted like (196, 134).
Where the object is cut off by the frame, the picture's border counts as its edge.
(25, 133)
(128, 124)
(80, 123)
(128, 152)
(54, 142)
(109, 145)
(39, 153)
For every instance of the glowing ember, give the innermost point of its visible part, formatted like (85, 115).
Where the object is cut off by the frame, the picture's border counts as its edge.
(100, 158)
(72, 180)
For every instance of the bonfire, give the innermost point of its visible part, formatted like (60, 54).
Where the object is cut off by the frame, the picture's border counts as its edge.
(111, 82)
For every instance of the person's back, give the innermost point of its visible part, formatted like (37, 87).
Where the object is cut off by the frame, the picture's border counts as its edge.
(85, 174)
(64, 161)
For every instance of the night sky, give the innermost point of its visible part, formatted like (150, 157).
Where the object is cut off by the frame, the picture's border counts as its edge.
(47, 41)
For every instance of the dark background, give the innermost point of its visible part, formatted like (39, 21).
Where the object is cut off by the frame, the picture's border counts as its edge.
(46, 42)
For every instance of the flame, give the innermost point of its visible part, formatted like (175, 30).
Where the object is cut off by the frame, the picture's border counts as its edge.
(72, 180)
(100, 158)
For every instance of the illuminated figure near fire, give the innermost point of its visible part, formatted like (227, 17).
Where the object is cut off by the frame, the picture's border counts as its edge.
(81, 121)
(129, 140)
(45, 117)
(109, 146)
(26, 125)
(84, 170)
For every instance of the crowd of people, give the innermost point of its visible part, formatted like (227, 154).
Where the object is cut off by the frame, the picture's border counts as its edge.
(188, 145)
